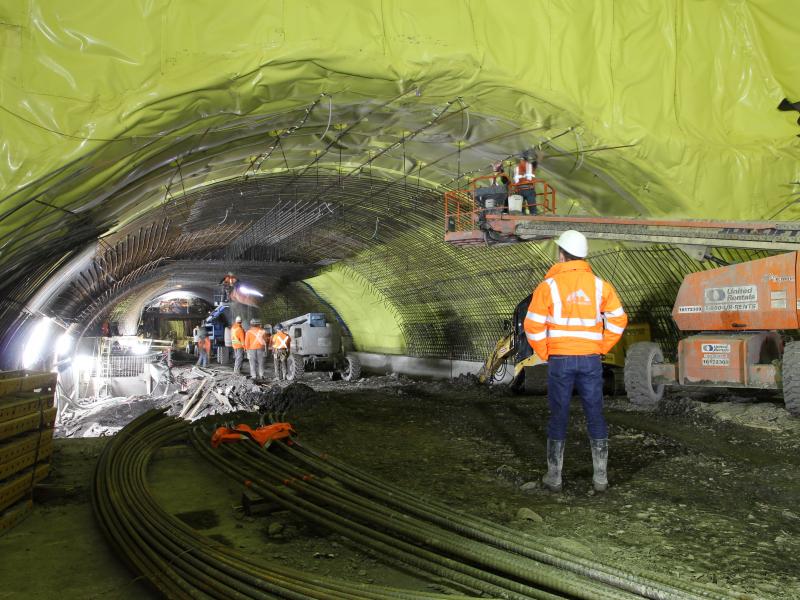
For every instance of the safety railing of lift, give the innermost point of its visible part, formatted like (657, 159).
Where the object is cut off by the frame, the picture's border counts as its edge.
(464, 209)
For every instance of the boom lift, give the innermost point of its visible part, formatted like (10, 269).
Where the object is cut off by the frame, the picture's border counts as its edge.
(739, 315)
(318, 345)
(482, 213)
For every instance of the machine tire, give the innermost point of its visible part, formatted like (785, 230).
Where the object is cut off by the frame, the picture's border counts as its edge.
(639, 362)
(791, 378)
(295, 367)
(352, 369)
(334, 375)
(536, 380)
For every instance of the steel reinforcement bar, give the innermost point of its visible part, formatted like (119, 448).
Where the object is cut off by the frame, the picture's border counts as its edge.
(471, 551)
(174, 558)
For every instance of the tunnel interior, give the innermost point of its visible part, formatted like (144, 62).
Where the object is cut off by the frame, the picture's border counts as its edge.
(149, 150)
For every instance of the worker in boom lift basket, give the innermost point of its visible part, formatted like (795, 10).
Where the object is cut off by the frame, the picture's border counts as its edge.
(281, 343)
(237, 341)
(525, 173)
(255, 342)
(573, 319)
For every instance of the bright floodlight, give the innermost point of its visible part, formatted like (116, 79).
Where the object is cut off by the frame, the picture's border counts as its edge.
(84, 363)
(36, 343)
(250, 292)
(64, 344)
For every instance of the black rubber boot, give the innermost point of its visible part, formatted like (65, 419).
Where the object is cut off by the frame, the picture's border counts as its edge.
(555, 461)
(600, 464)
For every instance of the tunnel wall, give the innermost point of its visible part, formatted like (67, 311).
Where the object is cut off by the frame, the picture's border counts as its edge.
(94, 94)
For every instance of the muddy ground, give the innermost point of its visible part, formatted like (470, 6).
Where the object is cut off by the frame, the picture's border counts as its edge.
(702, 490)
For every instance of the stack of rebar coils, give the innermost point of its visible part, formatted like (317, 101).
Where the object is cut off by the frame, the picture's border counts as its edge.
(473, 555)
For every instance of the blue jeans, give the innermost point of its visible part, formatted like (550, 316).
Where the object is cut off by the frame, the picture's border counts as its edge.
(203, 360)
(583, 374)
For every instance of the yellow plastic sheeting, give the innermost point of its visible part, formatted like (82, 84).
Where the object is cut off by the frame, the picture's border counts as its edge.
(93, 94)
(368, 315)
(693, 84)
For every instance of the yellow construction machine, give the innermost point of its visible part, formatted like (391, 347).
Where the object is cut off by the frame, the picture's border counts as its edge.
(530, 373)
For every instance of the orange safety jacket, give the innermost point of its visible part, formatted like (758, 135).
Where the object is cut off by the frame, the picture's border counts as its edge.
(255, 339)
(281, 341)
(574, 312)
(524, 171)
(237, 336)
(204, 344)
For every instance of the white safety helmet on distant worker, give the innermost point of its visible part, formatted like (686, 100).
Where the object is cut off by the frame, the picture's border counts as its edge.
(255, 321)
(574, 243)
(238, 319)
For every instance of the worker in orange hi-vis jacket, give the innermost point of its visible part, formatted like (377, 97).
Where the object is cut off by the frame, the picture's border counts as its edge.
(237, 341)
(573, 319)
(255, 342)
(203, 348)
(281, 346)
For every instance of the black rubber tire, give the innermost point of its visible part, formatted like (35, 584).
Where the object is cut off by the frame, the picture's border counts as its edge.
(639, 361)
(295, 367)
(334, 375)
(791, 378)
(536, 380)
(352, 369)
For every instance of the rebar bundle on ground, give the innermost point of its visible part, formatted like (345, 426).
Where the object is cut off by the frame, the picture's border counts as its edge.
(476, 554)
(175, 559)
(470, 554)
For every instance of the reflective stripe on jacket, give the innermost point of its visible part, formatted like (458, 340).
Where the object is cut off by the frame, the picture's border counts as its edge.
(574, 312)
(281, 340)
(237, 336)
(255, 339)
(524, 171)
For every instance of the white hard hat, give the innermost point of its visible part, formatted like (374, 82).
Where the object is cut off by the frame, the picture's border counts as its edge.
(574, 243)
(238, 319)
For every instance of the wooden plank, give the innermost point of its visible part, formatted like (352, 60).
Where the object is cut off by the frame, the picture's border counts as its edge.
(27, 423)
(9, 468)
(14, 407)
(14, 515)
(18, 446)
(29, 383)
(15, 488)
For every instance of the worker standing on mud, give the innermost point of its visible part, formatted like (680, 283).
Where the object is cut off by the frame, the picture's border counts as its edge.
(255, 341)
(237, 341)
(281, 342)
(573, 319)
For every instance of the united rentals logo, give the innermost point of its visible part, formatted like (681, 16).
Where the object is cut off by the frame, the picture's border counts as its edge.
(579, 297)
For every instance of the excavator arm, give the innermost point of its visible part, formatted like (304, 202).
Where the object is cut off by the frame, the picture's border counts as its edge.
(502, 350)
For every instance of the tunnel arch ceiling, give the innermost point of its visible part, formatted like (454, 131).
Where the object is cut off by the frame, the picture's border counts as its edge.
(105, 136)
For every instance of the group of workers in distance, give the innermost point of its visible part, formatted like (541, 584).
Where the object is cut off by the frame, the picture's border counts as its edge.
(256, 341)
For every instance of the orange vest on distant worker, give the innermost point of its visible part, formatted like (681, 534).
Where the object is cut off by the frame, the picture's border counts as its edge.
(281, 341)
(204, 344)
(237, 336)
(255, 339)
(574, 312)
(524, 171)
